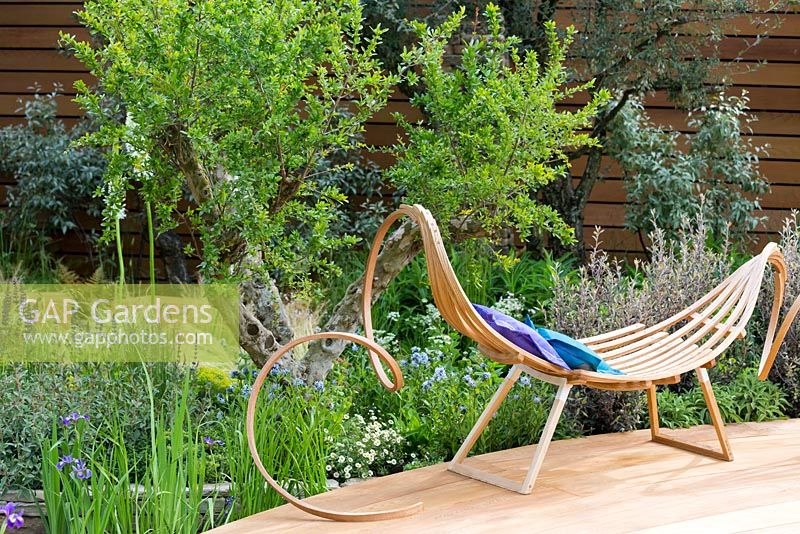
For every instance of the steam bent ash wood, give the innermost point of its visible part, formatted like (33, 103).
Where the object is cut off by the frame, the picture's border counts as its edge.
(690, 340)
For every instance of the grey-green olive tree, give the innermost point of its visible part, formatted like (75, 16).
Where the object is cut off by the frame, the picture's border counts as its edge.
(713, 178)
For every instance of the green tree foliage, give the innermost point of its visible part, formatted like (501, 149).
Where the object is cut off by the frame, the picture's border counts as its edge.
(493, 136)
(627, 47)
(715, 177)
(238, 101)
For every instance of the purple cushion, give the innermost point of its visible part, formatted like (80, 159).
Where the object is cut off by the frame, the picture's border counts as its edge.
(520, 335)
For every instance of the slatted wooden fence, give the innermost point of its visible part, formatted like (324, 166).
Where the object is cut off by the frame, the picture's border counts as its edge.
(28, 56)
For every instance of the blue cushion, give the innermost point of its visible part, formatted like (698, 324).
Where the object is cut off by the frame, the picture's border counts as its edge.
(573, 352)
(520, 335)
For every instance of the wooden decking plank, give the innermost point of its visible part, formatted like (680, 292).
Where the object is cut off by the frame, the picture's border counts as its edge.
(607, 483)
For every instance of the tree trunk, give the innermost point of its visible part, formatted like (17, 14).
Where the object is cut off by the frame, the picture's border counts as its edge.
(263, 323)
(563, 197)
(170, 247)
(398, 251)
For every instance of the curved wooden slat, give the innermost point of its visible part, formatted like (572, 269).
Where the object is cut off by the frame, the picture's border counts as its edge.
(383, 357)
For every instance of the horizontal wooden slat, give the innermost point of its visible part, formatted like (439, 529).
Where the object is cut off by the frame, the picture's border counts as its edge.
(36, 36)
(29, 14)
(764, 122)
(779, 196)
(39, 60)
(12, 105)
(613, 215)
(769, 49)
(9, 121)
(761, 98)
(18, 83)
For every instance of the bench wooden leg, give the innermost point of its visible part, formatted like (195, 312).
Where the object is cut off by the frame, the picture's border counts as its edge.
(724, 453)
(457, 465)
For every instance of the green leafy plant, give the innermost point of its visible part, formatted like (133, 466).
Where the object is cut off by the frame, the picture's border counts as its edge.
(55, 181)
(93, 486)
(293, 428)
(716, 178)
(33, 394)
(744, 399)
(628, 47)
(493, 136)
(240, 102)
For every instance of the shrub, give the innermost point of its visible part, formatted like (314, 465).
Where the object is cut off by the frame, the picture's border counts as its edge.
(744, 399)
(717, 176)
(366, 446)
(447, 385)
(493, 136)
(88, 482)
(605, 295)
(293, 428)
(55, 181)
(32, 395)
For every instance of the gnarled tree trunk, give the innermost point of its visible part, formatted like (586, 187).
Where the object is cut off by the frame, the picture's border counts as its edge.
(399, 249)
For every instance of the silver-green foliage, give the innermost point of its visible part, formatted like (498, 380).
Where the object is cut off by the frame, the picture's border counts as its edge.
(492, 135)
(54, 179)
(715, 176)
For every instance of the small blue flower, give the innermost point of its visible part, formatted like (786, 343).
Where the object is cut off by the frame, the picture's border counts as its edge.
(230, 389)
(246, 389)
(427, 384)
(299, 382)
(439, 374)
(537, 400)
(277, 370)
(213, 442)
(74, 417)
(419, 359)
(234, 374)
(254, 373)
(403, 363)
(525, 381)
(515, 396)
(319, 385)
(470, 381)
(487, 375)
(221, 398)
(462, 409)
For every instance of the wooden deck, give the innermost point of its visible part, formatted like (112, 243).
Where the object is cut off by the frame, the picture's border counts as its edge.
(606, 483)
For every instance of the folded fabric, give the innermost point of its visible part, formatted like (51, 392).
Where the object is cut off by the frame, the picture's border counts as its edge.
(520, 335)
(573, 352)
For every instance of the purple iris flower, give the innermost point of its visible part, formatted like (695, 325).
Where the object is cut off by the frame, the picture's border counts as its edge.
(80, 471)
(74, 417)
(213, 442)
(13, 517)
(65, 460)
